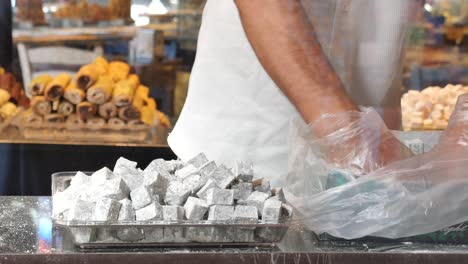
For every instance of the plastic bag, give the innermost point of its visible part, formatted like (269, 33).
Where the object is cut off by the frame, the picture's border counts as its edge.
(405, 197)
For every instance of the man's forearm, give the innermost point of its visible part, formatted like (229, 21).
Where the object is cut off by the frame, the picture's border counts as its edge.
(285, 43)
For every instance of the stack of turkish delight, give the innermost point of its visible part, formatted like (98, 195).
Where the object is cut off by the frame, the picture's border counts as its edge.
(171, 191)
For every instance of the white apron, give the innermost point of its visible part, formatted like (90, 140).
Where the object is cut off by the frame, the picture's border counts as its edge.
(235, 112)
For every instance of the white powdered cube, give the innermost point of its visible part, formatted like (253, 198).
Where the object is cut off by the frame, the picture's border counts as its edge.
(141, 197)
(272, 211)
(127, 170)
(123, 162)
(222, 176)
(132, 177)
(219, 197)
(257, 199)
(105, 235)
(152, 212)
(80, 179)
(61, 204)
(176, 164)
(244, 171)
(127, 213)
(177, 193)
(101, 176)
(82, 235)
(186, 171)
(207, 169)
(155, 181)
(208, 185)
(278, 194)
(199, 234)
(241, 234)
(263, 187)
(81, 211)
(153, 234)
(115, 189)
(107, 210)
(194, 183)
(242, 190)
(221, 213)
(91, 194)
(131, 234)
(173, 213)
(161, 166)
(246, 213)
(199, 160)
(195, 209)
(174, 234)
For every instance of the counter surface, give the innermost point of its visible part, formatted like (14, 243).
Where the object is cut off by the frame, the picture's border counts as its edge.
(26, 236)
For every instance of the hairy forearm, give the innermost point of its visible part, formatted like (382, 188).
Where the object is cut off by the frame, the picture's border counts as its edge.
(285, 44)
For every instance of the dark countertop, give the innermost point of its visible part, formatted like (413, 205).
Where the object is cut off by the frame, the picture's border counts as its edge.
(27, 236)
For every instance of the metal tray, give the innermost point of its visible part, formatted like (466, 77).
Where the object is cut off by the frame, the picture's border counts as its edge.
(175, 234)
(92, 234)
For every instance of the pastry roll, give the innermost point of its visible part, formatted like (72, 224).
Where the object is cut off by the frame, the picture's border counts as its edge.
(74, 122)
(74, 94)
(136, 124)
(41, 106)
(118, 70)
(123, 94)
(4, 97)
(142, 91)
(147, 115)
(2, 71)
(101, 64)
(54, 118)
(151, 103)
(7, 81)
(24, 102)
(66, 108)
(164, 120)
(32, 118)
(96, 123)
(56, 87)
(16, 92)
(129, 113)
(86, 110)
(39, 84)
(134, 79)
(108, 110)
(116, 123)
(101, 92)
(8, 110)
(141, 95)
(86, 76)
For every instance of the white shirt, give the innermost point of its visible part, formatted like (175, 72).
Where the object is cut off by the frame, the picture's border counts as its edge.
(235, 112)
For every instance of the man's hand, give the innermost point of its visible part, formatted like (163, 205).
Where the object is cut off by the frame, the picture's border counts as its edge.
(285, 44)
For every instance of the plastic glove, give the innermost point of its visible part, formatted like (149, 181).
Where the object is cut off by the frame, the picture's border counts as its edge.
(358, 142)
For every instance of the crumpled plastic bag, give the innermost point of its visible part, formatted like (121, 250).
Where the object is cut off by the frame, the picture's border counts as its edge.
(357, 181)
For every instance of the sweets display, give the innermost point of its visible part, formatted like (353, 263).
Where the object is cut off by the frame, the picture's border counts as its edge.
(120, 8)
(99, 92)
(431, 108)
(11, 95)
(93, 12)
(171, 192)
(30, 10)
